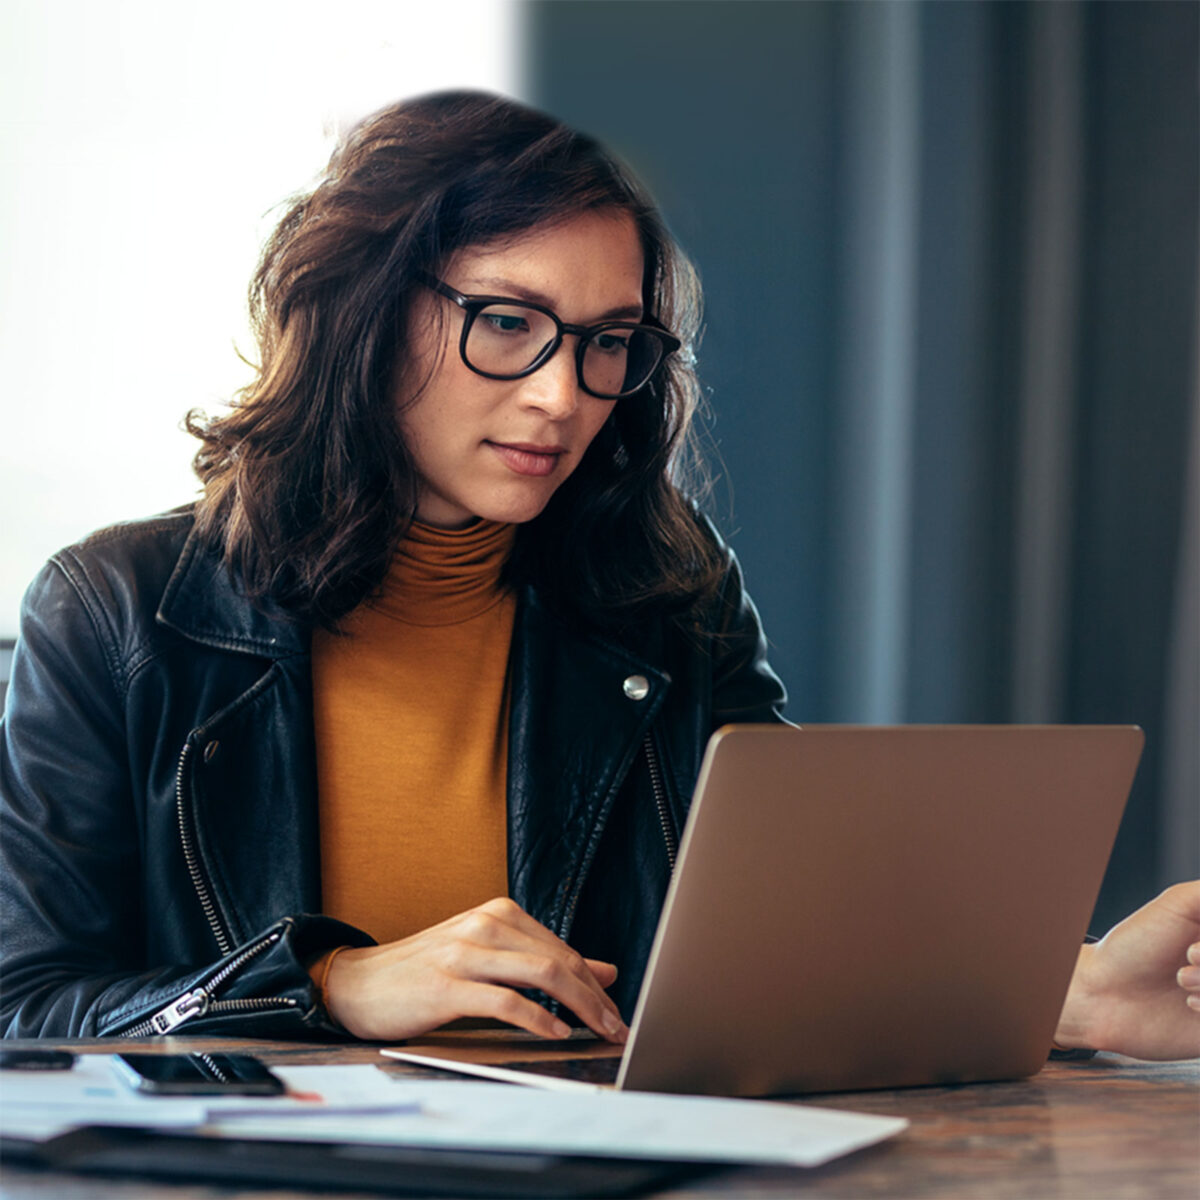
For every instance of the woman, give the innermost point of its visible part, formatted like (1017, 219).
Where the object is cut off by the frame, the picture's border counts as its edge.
(444, 578)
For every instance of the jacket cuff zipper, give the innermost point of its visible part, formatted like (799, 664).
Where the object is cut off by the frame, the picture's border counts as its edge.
(198, 1001)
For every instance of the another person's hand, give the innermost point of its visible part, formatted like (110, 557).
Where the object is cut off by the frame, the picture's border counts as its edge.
(470, 966)
(1137, 991)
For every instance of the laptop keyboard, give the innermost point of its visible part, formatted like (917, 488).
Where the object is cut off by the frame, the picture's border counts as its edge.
(585, 1070)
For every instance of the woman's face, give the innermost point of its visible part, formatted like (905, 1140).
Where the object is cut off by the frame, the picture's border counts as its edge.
(495, 448)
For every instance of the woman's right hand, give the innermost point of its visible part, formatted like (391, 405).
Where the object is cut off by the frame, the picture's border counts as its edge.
(470, 966)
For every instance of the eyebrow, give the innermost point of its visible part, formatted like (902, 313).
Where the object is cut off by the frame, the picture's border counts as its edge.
(507, 288)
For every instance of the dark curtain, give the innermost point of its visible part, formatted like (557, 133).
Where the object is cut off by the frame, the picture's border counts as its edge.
(951, 256)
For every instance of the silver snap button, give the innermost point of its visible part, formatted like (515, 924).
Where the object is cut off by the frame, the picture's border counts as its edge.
(210, 751)
(636, 687)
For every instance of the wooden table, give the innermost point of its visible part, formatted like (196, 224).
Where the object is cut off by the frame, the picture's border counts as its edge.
(1109, 1128)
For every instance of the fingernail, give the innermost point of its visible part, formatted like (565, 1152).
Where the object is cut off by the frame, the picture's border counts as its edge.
(1188, 977)
(561, 1028)
(1193, 1001)
(1193, 954)
(614, 1027)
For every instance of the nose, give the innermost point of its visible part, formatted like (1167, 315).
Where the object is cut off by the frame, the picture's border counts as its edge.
(554, 387)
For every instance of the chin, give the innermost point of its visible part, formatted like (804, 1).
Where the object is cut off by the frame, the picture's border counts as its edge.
(514, 514)
(514, 510)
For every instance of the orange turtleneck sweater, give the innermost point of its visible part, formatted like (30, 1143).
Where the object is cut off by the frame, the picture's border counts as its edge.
(410, 705)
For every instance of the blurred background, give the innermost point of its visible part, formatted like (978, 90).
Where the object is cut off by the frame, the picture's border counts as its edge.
(950, 252)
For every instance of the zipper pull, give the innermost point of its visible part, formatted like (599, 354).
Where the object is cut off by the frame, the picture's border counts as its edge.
(191, 1004)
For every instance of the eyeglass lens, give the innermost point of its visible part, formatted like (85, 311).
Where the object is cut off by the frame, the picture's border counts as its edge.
(507, 339)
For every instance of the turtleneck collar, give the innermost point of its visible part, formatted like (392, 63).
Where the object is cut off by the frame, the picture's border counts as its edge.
(446, 576)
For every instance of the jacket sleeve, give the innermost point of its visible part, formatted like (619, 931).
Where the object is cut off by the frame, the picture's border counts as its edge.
(71, 893)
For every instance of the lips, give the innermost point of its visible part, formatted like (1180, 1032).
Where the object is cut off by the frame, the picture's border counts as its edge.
(528, 458)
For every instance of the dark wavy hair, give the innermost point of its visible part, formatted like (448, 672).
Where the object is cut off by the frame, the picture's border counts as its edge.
(308, 484)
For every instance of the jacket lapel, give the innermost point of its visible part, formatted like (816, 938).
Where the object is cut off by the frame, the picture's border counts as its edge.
(249, 780)
(575, 728)
(202, 602)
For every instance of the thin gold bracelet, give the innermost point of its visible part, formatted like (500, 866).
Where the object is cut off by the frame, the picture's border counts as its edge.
(325, 974)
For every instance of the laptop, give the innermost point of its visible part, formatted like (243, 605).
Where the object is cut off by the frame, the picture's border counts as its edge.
(861, 907)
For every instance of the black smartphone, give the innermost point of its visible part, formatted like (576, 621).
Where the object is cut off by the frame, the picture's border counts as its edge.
(197, 1075)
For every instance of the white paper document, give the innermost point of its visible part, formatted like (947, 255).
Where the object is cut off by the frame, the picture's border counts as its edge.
(496, 1116)
(363, 1104)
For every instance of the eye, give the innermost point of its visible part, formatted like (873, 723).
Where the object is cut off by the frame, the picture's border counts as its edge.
(502, 322)
(611, 342)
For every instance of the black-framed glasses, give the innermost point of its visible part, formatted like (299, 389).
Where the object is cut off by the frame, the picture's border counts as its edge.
(503, 338)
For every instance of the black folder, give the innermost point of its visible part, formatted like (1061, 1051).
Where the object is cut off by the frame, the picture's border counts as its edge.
(364, 1167)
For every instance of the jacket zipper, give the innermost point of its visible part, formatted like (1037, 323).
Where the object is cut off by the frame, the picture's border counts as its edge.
(203, 891)
(200, 1000)
(664, 820)
(660, 801)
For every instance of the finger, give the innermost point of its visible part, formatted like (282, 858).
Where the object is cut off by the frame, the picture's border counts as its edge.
(560, 980)
(509, 912)
(483, 927)
(503, 1004)
(1193, 954)
(548, 974)
(605, 972)
(1188, 978)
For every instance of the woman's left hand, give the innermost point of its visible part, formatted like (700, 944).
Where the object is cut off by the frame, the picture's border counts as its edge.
(1137, 991)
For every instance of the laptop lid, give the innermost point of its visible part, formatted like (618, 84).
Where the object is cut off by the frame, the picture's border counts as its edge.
(867, 907)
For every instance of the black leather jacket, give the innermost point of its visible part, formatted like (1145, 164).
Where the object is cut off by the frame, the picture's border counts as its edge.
(159, 847)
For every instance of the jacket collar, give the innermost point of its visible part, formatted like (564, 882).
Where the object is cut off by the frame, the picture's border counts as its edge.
(202, 602)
